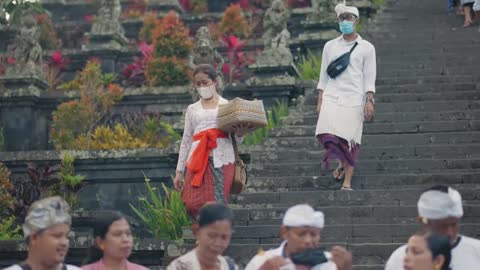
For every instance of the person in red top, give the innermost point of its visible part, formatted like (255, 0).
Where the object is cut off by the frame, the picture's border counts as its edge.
(205, 152)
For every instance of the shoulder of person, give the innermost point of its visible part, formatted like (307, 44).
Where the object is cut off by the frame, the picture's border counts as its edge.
(73, 267)
(395, 261)
(258, 260)
(326, 266)
(470, 241)
(366, 44)
(330, 42)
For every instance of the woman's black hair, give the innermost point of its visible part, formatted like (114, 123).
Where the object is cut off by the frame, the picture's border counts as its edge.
(438, 245)
(102, 222)
(213, 212)
(206, 69)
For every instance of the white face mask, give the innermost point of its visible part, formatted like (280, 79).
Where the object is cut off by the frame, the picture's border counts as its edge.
(207, 92)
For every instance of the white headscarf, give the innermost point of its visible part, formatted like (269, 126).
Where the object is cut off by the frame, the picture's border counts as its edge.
(303, 215)
(46, 213)
(437, 204)
(342, 8)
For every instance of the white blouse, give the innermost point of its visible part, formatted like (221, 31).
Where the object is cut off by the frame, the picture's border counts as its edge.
(198, 119)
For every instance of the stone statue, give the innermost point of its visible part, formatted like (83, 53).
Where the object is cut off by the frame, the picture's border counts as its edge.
(276, 37)
(27, 50)
(3, 14)
(275, 21)
(204, 53)
(323, 11)
(107, 19)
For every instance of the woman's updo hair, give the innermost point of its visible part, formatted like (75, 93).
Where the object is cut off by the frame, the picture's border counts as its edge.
(103, 221)
(206, 69)
(213, 212)
(438, 245)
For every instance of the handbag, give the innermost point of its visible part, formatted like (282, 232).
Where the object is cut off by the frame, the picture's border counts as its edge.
(340, 64)
(240, 178)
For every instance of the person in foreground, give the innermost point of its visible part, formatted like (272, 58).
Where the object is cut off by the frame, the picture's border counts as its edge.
(428, 251)
(213, 232)
(346, 100)
(46, 230)
(113, 243)
(300, 230)
(440, 211)
(206, 152)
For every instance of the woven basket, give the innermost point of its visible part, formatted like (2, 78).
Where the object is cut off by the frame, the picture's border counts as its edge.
(240, 111)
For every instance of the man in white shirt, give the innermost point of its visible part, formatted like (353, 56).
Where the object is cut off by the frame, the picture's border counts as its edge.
(345, 100)
(46, 230)
(440, 210)
(301, 229)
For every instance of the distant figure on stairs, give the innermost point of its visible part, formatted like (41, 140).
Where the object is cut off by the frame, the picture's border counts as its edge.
(301, 231)
(206, 152)
(440, 211)
(346, 99)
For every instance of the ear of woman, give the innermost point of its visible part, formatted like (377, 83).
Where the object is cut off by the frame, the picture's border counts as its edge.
(439, 261)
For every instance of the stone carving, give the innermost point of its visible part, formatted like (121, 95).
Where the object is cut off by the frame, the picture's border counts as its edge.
(277, 36)
(204, 53)
(3, 14)
(107, 19)
(26, 49)
(275, 21)
(323, 11)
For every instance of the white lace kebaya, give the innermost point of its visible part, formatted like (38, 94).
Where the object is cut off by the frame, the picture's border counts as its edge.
(198, 119)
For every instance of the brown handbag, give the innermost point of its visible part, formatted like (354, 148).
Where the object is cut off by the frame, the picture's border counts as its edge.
(240, 178)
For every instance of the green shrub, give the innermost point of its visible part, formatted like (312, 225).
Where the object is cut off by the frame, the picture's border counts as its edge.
(9, 230)
(274, 120)
(309, 67)
(164, 217)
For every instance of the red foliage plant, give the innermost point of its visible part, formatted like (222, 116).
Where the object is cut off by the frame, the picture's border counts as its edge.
(135, 72)
(237, 60)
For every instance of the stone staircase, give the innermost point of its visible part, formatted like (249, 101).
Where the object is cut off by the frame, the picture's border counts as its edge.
(426, 132)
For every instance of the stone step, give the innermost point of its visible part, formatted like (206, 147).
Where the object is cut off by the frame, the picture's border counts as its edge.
(309, 141)
(310, 106)
(341, 198)
(417, 97)
(311, 118)
(384, 72)
(388, 128)
(351, 233)
(325, 181)
(337, 215)
(267, 155)
(366, 166)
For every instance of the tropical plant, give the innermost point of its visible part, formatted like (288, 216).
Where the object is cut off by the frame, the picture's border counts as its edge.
(79, 117)
(48, 35)
(234, 22)
(378, 3)
(17, 9)
(9, 230)
(135, 73)
(165, 71)
(238, 61)
(146, 32)
(54, 68)
(135, 10)
(70, 183)
(309, 67)
(170, 37)
(164, 217)
(6, 190)
(274, 120)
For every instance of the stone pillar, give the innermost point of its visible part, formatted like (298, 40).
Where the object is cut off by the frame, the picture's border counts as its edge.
(23, 125)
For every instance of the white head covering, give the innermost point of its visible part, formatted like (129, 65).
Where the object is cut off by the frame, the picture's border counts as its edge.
(342, 9)
(303, 215)
(439, 204)
(46, 213)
